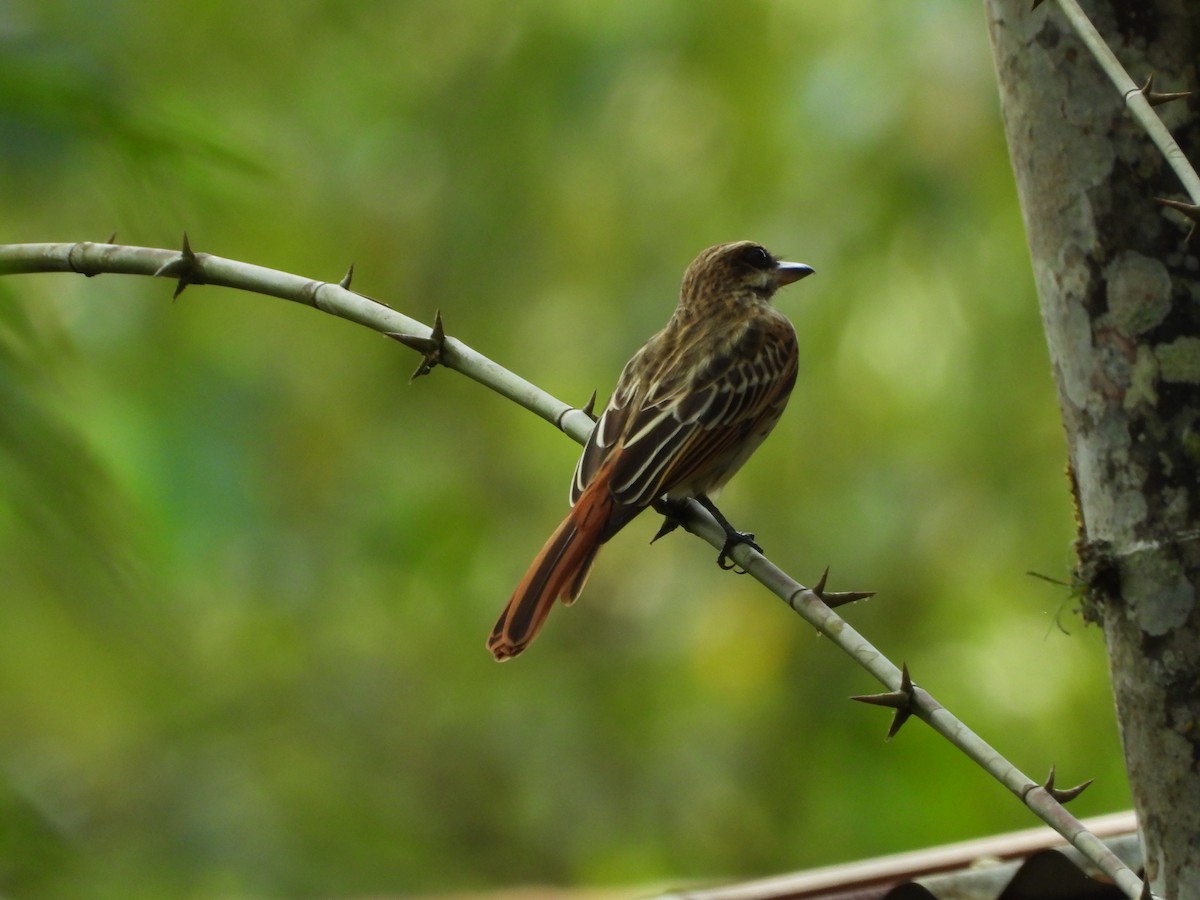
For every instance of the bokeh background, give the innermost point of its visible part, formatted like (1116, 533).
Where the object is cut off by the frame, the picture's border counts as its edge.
(247, 569)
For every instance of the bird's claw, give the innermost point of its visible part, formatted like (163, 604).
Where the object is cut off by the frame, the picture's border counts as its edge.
(732, 539)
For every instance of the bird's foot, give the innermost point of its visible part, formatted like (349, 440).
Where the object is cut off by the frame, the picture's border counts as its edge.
(733, 537)
(672, 512)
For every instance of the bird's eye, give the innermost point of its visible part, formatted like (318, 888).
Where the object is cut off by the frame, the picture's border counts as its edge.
(758, 258)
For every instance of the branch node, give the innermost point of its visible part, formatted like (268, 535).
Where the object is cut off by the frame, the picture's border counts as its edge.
(588, 409)
(900, 700)
(74, 266)
(431, 348)
(185, 268)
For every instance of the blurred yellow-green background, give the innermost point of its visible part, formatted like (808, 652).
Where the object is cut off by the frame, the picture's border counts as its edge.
(247, 569)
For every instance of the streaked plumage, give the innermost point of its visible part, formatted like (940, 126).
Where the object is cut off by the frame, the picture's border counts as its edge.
(688, 410)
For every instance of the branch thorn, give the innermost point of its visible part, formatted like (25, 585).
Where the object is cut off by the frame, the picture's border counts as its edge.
(1191, 210)
(344, 284)
(901, 701)
(589, 408)
(1065, 795)
(1154, 98)
(668, 525)
(431, 348)
(819, 587)
(185, 268)
(670, 510)
(834, 599)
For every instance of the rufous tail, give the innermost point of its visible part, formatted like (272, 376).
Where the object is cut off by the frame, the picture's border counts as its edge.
(557, 573)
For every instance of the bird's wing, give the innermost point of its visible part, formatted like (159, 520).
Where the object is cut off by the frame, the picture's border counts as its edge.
(608, 430)
(687, 424)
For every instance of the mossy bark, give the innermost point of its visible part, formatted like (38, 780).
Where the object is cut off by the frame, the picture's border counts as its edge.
(1120, 298)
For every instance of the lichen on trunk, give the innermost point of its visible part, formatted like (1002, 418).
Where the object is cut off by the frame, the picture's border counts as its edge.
(1119, 289)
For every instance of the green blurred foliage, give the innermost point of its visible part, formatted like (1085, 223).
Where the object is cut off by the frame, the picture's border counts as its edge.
(247, 569)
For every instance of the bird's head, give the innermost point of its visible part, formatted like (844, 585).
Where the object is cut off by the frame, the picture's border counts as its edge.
(741, 270)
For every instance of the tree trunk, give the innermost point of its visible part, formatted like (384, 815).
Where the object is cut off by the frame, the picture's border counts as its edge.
(1120, 300)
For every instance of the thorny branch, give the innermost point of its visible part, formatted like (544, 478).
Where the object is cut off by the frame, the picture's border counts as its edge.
(1141, 102)
(812, 604)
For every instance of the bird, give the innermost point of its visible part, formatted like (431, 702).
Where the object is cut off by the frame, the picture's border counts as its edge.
(688, 410)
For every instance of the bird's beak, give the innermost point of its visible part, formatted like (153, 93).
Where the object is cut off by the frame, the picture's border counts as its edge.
(790, 271)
